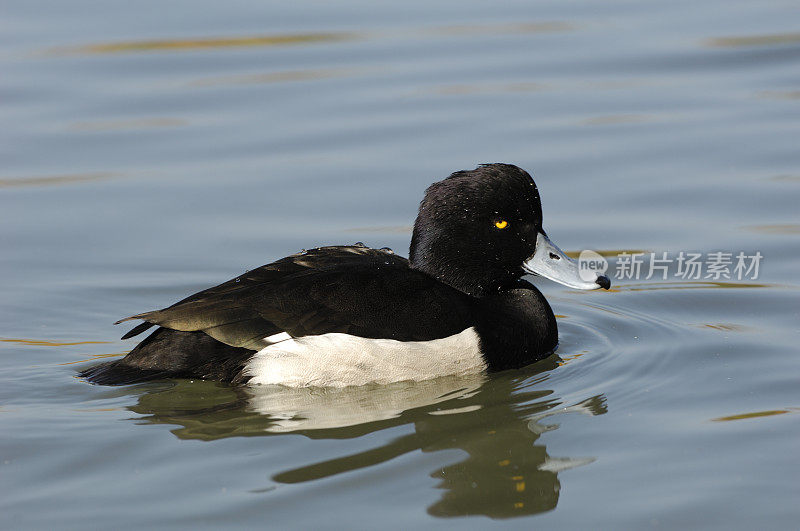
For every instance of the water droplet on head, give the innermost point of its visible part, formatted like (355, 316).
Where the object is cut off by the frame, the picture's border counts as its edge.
(238, 279)
(387, 250)
(359, 244)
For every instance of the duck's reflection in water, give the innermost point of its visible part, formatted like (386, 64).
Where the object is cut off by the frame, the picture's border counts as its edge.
(495, 420)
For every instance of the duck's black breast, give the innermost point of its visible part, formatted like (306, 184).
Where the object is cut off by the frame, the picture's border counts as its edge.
(516, 327)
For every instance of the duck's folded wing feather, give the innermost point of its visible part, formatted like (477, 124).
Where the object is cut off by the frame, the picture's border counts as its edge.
(354, 290)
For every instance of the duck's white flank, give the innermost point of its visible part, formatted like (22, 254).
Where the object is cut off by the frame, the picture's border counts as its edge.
(338, 360)
(277, 338)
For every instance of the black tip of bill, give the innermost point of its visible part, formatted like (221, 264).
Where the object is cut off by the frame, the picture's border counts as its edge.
(603, 282)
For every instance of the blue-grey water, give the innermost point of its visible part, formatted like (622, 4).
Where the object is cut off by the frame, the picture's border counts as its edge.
(149, 150)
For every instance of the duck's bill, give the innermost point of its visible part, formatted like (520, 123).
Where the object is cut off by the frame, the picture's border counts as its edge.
(550, 262)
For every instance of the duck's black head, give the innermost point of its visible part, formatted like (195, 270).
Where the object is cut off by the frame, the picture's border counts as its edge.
(481, 230)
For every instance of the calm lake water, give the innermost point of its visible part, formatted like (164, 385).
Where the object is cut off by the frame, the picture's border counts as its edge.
(149, 151)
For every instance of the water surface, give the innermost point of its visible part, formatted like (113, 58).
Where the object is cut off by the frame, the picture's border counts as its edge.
(149, 151)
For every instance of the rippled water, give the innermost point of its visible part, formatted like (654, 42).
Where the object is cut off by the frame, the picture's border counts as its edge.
(149, 151)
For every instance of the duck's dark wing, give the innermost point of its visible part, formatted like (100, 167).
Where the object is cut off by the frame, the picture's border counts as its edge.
(356, 290)
(351, 289)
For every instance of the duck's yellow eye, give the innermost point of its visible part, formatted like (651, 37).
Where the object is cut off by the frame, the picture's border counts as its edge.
(501, 224)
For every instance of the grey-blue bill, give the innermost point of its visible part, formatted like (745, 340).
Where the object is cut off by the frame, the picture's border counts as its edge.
(551, 262)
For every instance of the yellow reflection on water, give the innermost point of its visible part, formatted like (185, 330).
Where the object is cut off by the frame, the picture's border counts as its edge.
(566, 359)
(755, 40)
(95, 357)
(55, 180)
(493, 29)
(273, 77)
(787, 228)
(691, 284)
(201, 43)
(206, 43)
(45, 343)
(499, 88)
(753, 415)
(724, 327)
(607, 252)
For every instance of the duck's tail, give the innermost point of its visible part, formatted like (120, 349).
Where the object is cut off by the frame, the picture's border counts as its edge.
(170, 353)
(119, 373)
